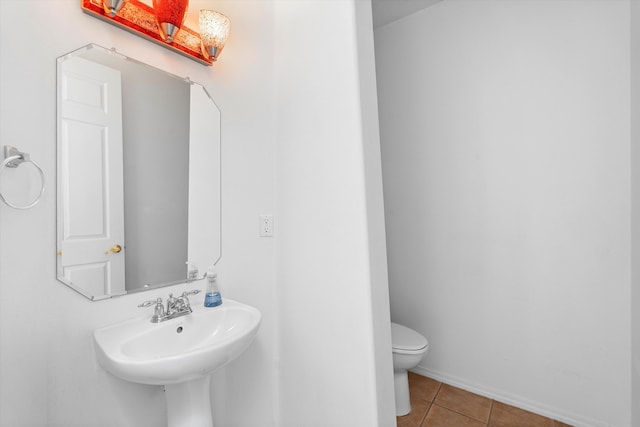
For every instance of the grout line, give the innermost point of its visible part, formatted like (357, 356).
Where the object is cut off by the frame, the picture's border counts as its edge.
(464, 415)
(435, 396)
(431, 405)
(490, 412)
(424, 416)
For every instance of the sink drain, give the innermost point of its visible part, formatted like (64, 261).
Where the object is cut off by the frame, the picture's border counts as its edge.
(179, 330)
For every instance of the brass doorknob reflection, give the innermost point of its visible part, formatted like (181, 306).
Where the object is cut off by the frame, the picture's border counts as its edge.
(115, 249)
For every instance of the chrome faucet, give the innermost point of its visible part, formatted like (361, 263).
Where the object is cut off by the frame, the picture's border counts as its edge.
(176, 307)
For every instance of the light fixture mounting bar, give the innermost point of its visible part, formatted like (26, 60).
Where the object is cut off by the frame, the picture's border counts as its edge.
(138, 18)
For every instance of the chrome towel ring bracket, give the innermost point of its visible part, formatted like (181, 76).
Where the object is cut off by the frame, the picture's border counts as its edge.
(13, 159)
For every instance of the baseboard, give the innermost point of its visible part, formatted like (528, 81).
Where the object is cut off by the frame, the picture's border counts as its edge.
(510, 399)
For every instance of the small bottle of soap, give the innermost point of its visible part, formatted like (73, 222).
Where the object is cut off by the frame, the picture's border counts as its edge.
(212, 298)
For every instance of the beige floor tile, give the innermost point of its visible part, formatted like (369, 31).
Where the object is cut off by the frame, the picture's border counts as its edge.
(503, 415)
(423, 388)
(464, 402)
(443, 417)
(414, 418)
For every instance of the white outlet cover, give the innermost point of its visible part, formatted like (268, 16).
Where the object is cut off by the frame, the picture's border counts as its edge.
(266, 225)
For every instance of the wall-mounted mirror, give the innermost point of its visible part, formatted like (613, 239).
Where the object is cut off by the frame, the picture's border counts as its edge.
(138, 175)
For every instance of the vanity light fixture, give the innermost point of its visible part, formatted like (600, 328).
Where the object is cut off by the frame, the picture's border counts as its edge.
(214, 31)
(162, 24)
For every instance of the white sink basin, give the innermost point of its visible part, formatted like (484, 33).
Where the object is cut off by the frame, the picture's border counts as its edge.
(177, 350)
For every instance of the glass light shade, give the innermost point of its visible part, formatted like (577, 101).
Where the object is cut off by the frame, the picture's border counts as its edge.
(170, 15)
(214, 31)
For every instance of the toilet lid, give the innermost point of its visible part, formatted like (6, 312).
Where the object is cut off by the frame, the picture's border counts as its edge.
(403, 338)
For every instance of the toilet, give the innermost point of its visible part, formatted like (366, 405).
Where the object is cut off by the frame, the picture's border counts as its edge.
(409, 347)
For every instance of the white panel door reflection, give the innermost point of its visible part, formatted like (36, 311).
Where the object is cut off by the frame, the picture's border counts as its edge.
(91, 244)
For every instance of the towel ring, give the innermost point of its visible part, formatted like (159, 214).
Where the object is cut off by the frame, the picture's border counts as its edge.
(13, 159)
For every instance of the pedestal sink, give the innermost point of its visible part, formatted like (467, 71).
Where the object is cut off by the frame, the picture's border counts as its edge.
(179, 354)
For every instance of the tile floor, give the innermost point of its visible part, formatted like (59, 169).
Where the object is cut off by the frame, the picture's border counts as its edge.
(435, 404)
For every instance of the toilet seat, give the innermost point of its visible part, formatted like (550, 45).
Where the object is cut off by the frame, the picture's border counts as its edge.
(407, 341)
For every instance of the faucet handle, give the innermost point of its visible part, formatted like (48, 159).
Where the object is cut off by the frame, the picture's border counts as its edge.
(185, 296)
(191, 292)
(150, 302)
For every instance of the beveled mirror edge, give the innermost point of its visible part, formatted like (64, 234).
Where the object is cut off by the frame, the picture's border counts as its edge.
(204, 89)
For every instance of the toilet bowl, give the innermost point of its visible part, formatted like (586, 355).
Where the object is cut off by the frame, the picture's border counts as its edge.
(409, 347)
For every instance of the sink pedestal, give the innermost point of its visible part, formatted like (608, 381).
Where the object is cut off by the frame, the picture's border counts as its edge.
(189, 403)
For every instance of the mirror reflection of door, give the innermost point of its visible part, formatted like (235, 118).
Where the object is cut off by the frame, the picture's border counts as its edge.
(92, 241)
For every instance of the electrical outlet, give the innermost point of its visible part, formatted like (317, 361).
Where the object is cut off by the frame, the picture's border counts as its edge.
(266, 225)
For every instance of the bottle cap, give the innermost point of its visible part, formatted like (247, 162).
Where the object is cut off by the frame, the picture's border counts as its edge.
(212, 272)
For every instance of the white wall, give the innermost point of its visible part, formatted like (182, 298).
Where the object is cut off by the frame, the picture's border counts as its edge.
(505, 139)
(329, 375)
(375, 216)
(48, 371)
(635, 211)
